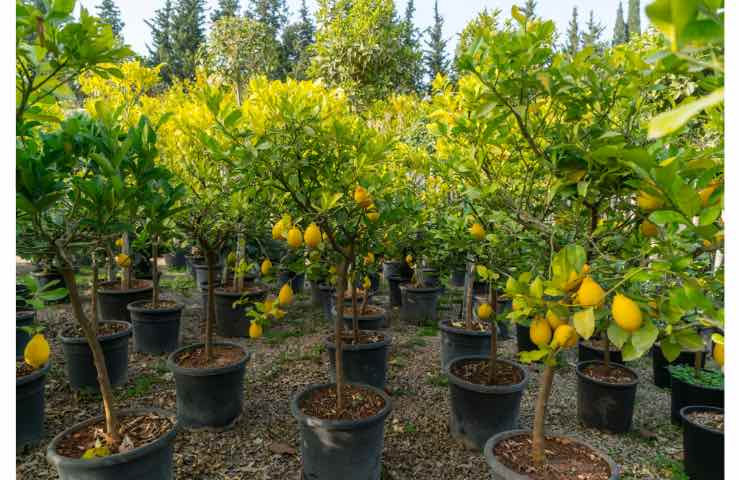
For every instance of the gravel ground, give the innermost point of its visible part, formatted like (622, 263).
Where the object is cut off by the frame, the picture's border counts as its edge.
(264, 442)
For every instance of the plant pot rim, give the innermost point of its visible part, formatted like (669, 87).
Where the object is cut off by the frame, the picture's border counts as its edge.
(503, 470)
(118, 291)
(205, 372)
(581, 365)
(204, 266)
(39, 372)
(325, 286)
(446, 327)
(321, 423)
(656, 347)
(700, 408)
(410, 288)
(111, 336)
(24, 313)
(220, 292)
(138, 307)
(329, 342)
(368, 316)
(495, 389)
(116, 459)
(398, 278)
(705, 387)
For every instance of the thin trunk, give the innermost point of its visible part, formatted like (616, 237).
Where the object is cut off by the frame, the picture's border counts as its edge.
(106, 392)
(155, 271)
(94, 295)
(355, 320)
(127, 270)
(211, 314)
(492, 299)
(697, 362)
(469, 299)
(607, 352)
(338, 325)
(363, 308)
(111, 271)
(538, 432)
(240, 256)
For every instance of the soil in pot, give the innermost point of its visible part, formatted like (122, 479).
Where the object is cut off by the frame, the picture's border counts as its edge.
(156, 330)
(480, 409)
(113, 299)
(365, 361)
(359, 403)
(661, 376)
(606, 396)
(703, 442)
(231, 320)
(457, 341)
(113, 338)
(692, 387)
(29, 404)
(594, 350)
(374, 318)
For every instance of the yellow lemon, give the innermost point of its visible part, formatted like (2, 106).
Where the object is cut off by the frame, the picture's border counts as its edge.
(477, 231)
(366, 283)
(648, 202)
(484, 311)
(590, 294)
(565, 336)
(266, 266)
(37, 351)
(719, 354)
(540, 332)
(295, 238)
(278, 313)
(255, 330)
(123, 260)
(286, 295)
(312, 236)
(119, 242)
(373, 216)
(554, 320)
(269, 304)
(369, 258)
(648, 228)
(409, 259)
(277, 231)
(362, 197)
(586, 268)
(626, 313)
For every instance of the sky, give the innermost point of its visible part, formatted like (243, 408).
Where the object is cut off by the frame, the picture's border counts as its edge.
(456, 14)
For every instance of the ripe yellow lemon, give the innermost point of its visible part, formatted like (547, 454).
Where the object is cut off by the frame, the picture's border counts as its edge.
(123, 260)
(286, 295)
(590, 294)
(484, 311)
(648, 202)
(540, 332)
(369, 258)
(626, 313)
(362, 197)
(277, 230)
(366, 283)
(119, 242)
(266, 266)
(295, 238)
(409, 259)
(554, 320)
(373, 216)
(477, 231)
(719, 354)
(648, 228)
(255, 330)
(312, 237)
(586, 268)
(37, 351)
(565, 336)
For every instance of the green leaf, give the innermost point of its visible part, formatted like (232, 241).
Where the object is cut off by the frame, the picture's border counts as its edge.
(584, 323)
(629, 352)
(689, 340)
(644, 338)
(709, 215)
(663, 217)
(671, 350)
(536, 288)
(533, 356)
(583, 188)
(671, 121)
(617, 335)
(518, 15)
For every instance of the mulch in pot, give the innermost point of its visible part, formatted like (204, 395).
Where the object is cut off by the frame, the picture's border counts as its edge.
(370, 311)
(163, 305)
(135, 430)
(75, 331)
(475, 326)
(22, 369)
(364, 338)
(359, 403)
(564, 459)
(708, 419)
(222, 356)
(612, 373)
(476, 371)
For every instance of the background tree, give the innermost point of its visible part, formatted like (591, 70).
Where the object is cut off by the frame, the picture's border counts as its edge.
(592, 36)
(573, 36)
(528, 9)
(411, 41)
(225, 8)
(435, 56)
(188, 34)
(633, 18)
(297, 40)
(620, 28)
(161, 50)
(109, 13)
(273, 14)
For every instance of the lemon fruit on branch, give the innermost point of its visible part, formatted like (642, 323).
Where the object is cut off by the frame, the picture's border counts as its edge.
(312, 237)
(626, 313)
(590, 293)
(266, 266)
(540, 332)
(295, 238)
(286, 295)
(362, 197)
(477, 231)
(37, 351)
(485, 311)
(123, 260)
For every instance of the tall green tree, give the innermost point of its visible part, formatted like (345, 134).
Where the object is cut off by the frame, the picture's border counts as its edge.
(161, 50)
(435, 56)
(225, 8)
(572, 35)
(188, 34)
(412, 43)
(528, 9)
(273, 14)
(296, 40)
(591, 37)
(633, 18)
(620, 28)
(109, 13)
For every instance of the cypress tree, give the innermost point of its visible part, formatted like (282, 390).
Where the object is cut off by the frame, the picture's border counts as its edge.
(225, 8)
(161, 50)
(620, 28)
(573, 37)
(109, 12)
(411, 42)
(528, 9)
(435, 56)
(188, 33)
(633, 18)
(592, 36)
(297, 38)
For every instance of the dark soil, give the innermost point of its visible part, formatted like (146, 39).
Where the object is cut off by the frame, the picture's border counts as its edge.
(565, 460)
(364, 338)
(135, 430)
(370, 311)
(476, 371)
(104, 329)
(611, 373)
(477, 326)
(22, 369)
(359, 403)
(713, 420)
(223, 356)
(163, 305)
(135, 284)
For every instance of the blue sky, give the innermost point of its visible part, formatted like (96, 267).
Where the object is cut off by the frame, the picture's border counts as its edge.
(456, 13)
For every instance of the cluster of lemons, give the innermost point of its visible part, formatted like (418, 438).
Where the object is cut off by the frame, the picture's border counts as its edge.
(284, 229)
(271, 309)
(122, 260)
(365, 201)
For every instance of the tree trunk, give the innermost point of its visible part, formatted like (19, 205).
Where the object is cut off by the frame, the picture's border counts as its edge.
(538, 432)
(469, 298)
(338, 325)
(106, 392)
(111, 262)
(355, 320)
(697, 362)
(363, 307)
(127, 270)
(607, 352)
(211, 314)
(492, 363)
(94, 295)
(240, 255)
(155, 271)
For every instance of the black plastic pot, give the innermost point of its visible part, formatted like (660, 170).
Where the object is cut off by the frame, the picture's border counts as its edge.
(661, 375)
(457, 278)
(459, 342)
(22, 319)
(366, 363)
(326, 293)
(419, 305)
(340, 449)
(149, 462)
(29, 408)
(684, 394)
(703, 447)
(24, 294)
(478, 412)
(112, 302)
(296, 280)
(45, 278)
(191, 262)
(394, 289)
(391, 269)
(79, 364)
(587, 353)
(523, 342)
(430, 277)
(208, 397)
(375, 321)
(313, 286)
(176, 259)
(499, 471)
(603, 405)
(201, 273)
(155, 331)
(232, 321)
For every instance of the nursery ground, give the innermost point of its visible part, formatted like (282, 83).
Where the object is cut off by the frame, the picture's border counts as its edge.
(264, 444)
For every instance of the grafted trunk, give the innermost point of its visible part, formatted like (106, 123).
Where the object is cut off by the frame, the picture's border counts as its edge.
(338, 326)
(355, 320)
(94, 295)
(469, 298)
(538, 431)
(127, 271)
